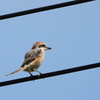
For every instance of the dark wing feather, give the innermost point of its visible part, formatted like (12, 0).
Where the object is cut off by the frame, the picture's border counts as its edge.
(32, 53)
(31, 56)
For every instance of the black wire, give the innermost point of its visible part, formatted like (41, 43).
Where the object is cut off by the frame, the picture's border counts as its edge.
(43, 9)
(66, 71)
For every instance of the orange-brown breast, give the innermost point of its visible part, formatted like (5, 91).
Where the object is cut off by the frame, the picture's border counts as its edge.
(35, 64)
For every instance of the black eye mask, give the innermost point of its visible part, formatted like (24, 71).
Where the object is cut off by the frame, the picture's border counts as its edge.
(42, 45)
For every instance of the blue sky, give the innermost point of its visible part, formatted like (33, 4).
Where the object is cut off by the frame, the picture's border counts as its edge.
(73, 33)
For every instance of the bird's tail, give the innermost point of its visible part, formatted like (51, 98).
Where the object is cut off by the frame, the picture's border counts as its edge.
(21, 69)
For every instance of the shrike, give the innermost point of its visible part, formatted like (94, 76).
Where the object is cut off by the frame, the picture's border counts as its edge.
(33, 58)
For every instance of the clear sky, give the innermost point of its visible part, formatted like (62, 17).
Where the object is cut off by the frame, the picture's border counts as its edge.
(73, 33)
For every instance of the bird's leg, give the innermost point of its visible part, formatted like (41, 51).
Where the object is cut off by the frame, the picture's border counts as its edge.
(39, 72)
(30, 74)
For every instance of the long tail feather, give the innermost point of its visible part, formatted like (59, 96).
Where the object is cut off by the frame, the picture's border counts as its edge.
(21, 69)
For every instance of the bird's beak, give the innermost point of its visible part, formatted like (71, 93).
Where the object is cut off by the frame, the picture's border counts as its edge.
(48, 48)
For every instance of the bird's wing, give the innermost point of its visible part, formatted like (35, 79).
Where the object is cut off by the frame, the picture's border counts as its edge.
(31, 56)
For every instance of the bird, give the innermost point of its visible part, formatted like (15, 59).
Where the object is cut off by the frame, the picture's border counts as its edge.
(33, 58)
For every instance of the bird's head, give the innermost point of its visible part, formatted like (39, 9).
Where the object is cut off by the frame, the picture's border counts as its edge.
(41, 45)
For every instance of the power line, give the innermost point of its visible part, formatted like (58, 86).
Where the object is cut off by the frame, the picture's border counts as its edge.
(51, 74)
(16, 14)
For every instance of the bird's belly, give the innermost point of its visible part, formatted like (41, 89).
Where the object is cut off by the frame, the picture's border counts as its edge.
(34, 65)
(32, 68)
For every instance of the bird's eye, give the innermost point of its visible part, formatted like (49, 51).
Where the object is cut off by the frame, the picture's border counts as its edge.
(42, 45)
